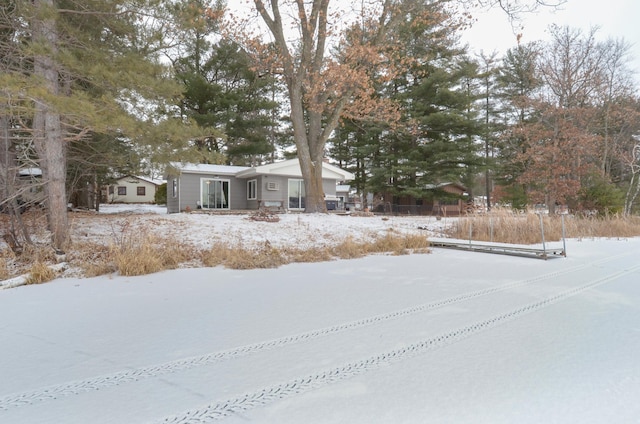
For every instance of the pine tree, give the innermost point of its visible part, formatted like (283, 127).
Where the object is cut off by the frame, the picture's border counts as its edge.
(232, 104)
(434, 140)
(80, 68)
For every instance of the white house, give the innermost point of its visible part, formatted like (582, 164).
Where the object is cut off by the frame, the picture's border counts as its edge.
(133, 189)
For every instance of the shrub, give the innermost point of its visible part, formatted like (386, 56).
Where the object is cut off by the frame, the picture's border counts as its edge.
(160, 198)
(601, 195)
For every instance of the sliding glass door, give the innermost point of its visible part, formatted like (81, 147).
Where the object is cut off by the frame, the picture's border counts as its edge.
(214, 193)
(296, 194)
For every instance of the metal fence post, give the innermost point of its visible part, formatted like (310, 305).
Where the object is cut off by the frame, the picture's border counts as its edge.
(564, 241)
(544, 248)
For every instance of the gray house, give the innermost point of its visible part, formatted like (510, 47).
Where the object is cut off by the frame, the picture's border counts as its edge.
(221, 187)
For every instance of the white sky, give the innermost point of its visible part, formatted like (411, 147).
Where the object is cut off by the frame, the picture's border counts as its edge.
(617, 19)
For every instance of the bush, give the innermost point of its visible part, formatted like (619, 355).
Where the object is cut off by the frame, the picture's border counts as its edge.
(160, 197)
(601, 195)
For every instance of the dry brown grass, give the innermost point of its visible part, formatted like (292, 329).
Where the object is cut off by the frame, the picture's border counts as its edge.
(146, 254)
(92, 258)
(268, 256)
(505, 227)
(400, 245)
(312, 254)
(350, 249)
(136, 248)
(40, 273)
(133, 250)
(237, 257)
(4, 267)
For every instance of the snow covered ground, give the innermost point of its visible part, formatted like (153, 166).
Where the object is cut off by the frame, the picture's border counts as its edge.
(446, 337)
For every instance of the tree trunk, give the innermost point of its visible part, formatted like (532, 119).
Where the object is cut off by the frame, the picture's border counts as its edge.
(8, 190)
(310, 148)
(5, 159)
(49, 141)
(314, 192)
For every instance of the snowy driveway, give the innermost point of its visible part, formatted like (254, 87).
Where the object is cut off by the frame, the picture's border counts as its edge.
(450, 337)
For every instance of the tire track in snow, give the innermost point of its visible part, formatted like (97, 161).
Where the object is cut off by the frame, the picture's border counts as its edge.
(132, 375)
(220, 410)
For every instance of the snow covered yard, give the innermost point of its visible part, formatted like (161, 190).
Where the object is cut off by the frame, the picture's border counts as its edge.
(446, 337)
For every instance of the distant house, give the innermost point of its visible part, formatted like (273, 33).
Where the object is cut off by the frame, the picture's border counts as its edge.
(29, 186)
(448, 200)
(132, 189)
(221, 187)
(445, 199)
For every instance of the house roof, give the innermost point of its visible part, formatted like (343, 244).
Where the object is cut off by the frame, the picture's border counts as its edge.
(291, 168)
(33, 172)
(441, 185)
(287, 168)
(147, 179)
(199, 168)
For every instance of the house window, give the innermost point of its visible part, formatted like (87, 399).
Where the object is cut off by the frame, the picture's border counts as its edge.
(141, 191)
(174, 187)
(110, 189)
(449, 202)
(296, 194)
(122, 191)
(252, 188)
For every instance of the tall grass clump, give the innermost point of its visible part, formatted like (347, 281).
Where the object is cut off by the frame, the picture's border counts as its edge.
(237, 257)
(40, 273)
(139, 252)
(387, 243)
(400, 244)
(350, 249)
(92, 258)
(507, 227)
(4, 267)
(308, 255)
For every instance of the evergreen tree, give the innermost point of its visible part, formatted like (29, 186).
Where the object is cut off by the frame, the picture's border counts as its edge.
(434, 141)
(79, 68)
(223, 93)
(518, 83)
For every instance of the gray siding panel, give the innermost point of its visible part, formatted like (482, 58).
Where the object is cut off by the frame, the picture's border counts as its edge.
(273, 195)
(237, 193)
(329, 187)
(190, 191)
(172, 202)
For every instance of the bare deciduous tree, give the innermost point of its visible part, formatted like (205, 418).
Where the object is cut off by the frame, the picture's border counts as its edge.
(322, 87)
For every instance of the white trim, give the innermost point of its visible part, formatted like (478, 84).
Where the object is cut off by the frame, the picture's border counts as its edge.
(255, 189)
(226, 197)
(299, 180)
